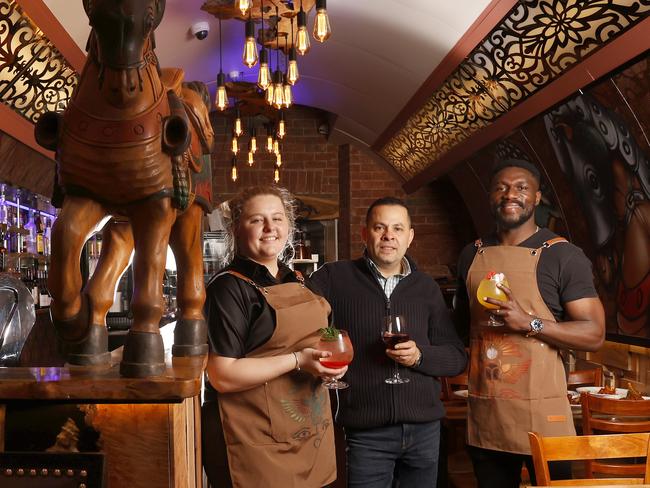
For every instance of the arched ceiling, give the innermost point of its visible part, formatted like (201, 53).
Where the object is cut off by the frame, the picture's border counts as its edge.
(388, 71)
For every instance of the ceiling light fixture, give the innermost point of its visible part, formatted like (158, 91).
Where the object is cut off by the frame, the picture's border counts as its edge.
(278, 77)
(234, 145)
(249, 56)
(281, 126)
(238, 125)
(243, 6)
(322, 30)
(264, 74)
(222, 96)
(250, 158)
(292, 66)
(302, 38)
(276, 175)
(233, 170)
(269, 140)
(253, 141)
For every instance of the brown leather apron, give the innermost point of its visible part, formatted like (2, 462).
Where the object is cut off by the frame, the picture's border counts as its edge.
(517, 384)
(280, 433)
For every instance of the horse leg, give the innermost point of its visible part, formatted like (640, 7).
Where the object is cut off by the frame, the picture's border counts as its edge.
(116, 250)
(190, 333)
(83, 343)
(144, 353)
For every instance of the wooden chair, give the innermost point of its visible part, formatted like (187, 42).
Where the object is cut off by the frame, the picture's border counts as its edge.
(586, 447)
(449, 385)
(585, 377)
(606, 415)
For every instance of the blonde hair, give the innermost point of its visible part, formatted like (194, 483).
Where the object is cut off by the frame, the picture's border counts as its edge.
(236, 208)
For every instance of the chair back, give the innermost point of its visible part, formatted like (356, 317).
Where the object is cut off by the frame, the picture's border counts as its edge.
(607, 415)
(584, 448)
(449, 385)
(585, 377)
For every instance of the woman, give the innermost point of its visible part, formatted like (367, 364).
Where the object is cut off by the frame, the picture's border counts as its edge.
(263, 321)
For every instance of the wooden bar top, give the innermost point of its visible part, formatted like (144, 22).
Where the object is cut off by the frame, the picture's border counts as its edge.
(182, 379)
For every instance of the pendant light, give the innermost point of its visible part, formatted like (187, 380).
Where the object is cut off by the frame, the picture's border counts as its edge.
(278, 159)
(222, 96)
(276, 175)
(253, 141)
(322, 30)
(269, 94)
(233, 170)
(287, 95)
(238, 126)
(281, 126)
(292, 65)
(244, 6)
(276, 147)
(302, 38)
(264, 74)
(249, 56)
(234, 145)
(250, 158)
(269, 140)
(278, 78)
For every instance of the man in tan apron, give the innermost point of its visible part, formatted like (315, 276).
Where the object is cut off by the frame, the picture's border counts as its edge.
(516, 378)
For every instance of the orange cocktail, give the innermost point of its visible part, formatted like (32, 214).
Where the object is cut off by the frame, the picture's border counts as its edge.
(488, 288)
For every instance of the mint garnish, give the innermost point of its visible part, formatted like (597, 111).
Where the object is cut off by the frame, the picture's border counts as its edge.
(330, 333)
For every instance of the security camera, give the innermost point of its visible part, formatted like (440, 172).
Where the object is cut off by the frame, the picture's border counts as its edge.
(200, 30)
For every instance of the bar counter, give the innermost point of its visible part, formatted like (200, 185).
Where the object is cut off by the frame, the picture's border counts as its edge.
(148, 428)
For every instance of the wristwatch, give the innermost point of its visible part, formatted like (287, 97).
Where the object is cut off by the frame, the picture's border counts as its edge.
(536, 326)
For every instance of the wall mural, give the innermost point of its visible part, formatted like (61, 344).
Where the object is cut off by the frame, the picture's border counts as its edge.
(610, 171)
(534, 44)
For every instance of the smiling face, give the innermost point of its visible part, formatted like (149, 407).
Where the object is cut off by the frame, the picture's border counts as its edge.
(388, 235)
(514, 194)
(263, 229)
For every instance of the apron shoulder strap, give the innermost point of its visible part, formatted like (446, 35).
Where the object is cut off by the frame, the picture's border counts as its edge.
(478, 243)
(243, 277)
(547, 244)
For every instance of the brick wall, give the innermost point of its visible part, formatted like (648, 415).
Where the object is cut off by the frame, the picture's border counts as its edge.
(310, 163)
(311, 167)
(434, 209)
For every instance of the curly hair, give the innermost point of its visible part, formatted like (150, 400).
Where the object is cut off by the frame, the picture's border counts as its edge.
(236, 207)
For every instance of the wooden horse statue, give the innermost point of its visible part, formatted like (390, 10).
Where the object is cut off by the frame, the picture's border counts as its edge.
(125, 147)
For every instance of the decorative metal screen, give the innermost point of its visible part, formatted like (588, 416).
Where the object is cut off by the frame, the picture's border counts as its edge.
(534, 44)
(34, 76)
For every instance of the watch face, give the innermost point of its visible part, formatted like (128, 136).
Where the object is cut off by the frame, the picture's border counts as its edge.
(536, 325)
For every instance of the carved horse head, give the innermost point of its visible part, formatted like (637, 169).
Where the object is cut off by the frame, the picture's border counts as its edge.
(121, 43)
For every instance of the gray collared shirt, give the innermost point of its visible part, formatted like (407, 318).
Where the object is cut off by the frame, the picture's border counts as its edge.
(389, 284)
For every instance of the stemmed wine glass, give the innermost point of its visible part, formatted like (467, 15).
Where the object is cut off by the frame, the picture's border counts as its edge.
(338, 343)
(395, 332)
(487, 288)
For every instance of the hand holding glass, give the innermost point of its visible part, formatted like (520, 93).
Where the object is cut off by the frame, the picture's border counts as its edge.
(395, 332)
(342, 353)
(488, 288)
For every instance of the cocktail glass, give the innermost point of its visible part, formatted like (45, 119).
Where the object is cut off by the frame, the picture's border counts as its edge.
(342, 353)
(488, 288)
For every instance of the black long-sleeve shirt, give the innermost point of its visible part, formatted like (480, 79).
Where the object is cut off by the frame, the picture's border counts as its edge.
(360, 306)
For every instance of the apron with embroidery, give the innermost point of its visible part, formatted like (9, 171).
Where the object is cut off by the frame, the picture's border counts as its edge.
(517, 384)
(281, 433)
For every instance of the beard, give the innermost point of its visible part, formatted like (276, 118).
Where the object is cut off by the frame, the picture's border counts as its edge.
(512, 222)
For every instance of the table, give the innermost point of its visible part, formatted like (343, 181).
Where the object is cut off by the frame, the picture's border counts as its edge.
(149, 428)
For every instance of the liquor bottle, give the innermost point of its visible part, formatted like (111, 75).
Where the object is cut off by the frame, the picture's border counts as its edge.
(44, 298)
(34, 286)
(3, 252)
(29, 241)
(48, 237)
(40, 240)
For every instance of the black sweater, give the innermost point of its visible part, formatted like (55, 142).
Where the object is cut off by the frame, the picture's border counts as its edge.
(360, 305)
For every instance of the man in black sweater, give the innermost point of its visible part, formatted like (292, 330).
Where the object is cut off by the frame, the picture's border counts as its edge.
(392, 430)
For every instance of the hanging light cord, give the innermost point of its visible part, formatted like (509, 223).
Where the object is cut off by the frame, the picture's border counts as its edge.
(220, 55)
(277, 39)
